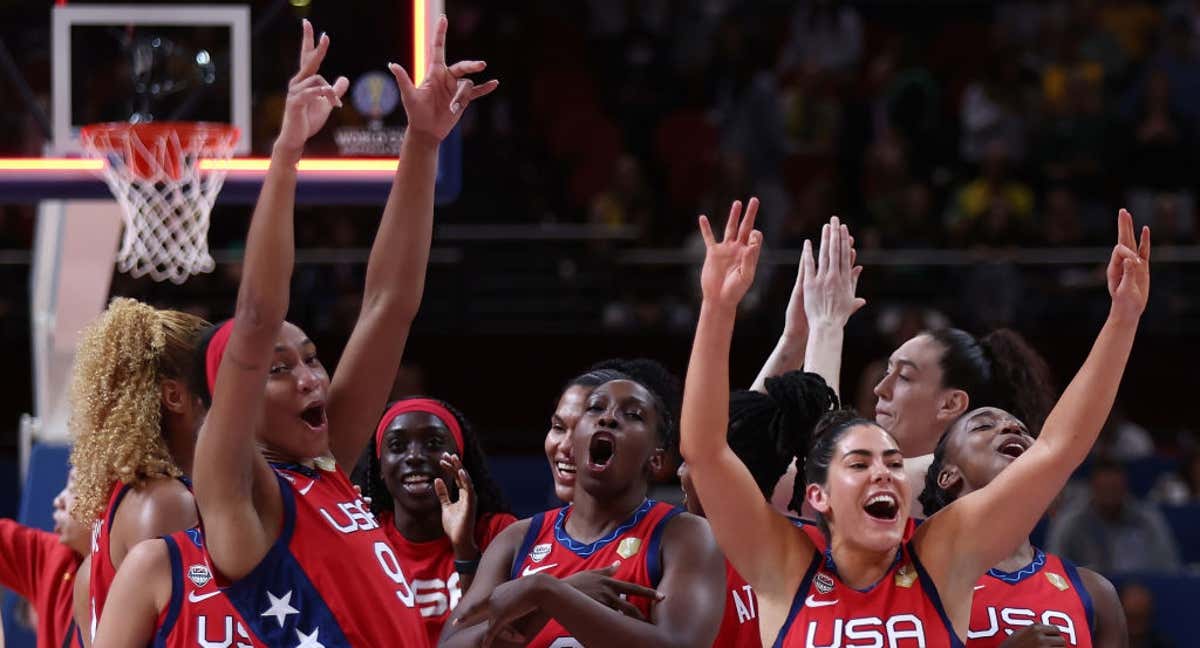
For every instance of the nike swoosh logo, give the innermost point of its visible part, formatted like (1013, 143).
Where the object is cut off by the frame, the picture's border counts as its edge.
(192, 598)
(810, 602)
(304, 491)
(979, 587)
(529, 569)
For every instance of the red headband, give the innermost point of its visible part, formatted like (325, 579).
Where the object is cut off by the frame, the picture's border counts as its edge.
(214, 353)
(426, 405)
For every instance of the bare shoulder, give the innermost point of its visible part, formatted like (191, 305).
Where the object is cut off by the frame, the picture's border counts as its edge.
(158, 507)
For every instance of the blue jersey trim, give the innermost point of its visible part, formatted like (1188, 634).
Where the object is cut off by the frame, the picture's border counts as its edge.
(279, 582)
(931, 592)
(112, 512)
(584, 550)
(1085, 596)
(176, 602)
(654, 551)
(798, 600)
(531, 536)
(1012, 578)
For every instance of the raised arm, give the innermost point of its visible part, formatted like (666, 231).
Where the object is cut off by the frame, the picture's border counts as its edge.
(829, 300)
(762, 545)
(788, 354)
(995, 518)
(236, 491)
(396, 268)
(140, 591)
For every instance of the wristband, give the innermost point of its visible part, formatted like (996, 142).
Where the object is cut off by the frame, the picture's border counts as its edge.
(466, 567)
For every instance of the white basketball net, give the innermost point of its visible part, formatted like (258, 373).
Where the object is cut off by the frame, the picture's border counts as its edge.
(164, 197)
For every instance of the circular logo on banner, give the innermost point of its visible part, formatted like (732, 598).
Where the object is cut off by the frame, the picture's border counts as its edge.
(375, 94)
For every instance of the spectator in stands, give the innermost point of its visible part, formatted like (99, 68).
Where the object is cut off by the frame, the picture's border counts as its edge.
(1138, 602)
(1113, 532)
(826, 37)
(993, 207)
(1160, 154)
(1182, 487)
(1122, 439)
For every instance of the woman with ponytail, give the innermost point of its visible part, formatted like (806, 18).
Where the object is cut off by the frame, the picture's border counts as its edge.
(134, 422)
(937, 376)
(430, 488)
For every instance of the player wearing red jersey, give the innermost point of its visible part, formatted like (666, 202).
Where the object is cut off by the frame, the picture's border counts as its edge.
(1028, 591)
(789, 406)
(869, 585)
(618, 443)
(134, 421)
(168, 598)
(303, 559)
(438, 538)
(41, 566)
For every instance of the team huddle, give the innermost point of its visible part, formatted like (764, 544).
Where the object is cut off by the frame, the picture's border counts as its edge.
(213, 465)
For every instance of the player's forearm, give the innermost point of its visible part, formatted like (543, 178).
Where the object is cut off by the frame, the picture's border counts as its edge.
(593, 624)
(262, 301)
(823, 353)
(788, 355)
(706, 388)
(399, 257)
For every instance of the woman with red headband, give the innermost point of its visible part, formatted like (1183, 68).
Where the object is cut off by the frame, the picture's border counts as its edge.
(292, 543)
(439, 526)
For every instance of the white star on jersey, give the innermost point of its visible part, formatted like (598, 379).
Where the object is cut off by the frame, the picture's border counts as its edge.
(309, 641)
(280, 607)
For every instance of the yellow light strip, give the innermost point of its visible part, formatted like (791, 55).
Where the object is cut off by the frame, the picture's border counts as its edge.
(246, 165)
(50, 164)
(420, 46)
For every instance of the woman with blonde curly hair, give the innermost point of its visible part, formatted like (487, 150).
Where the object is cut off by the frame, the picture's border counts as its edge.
(134, 421)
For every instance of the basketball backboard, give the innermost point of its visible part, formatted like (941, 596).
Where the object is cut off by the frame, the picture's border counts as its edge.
(125, 62)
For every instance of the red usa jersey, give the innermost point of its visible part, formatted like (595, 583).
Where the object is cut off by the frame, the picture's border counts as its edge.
(198, 614)
(102, 571)
(902, 610)
(739, 627)
(1047, 591)
(331, 578)
(634, 546)
(430, 567)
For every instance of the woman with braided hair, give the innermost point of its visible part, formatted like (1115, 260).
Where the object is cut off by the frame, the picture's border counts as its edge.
(439, 511)
(767, 429)
(134, 422)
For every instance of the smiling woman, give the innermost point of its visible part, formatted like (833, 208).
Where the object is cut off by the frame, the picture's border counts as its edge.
(870, 581)
(440, 512)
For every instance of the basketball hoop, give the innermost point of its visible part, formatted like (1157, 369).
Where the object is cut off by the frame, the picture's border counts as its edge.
(153, 170)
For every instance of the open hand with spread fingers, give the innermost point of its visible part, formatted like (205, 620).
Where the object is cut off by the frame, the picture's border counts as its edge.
(458, 516)
(1128, 271)
(729, 264)
(436, 105)
(310, 97)
(831, 281)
